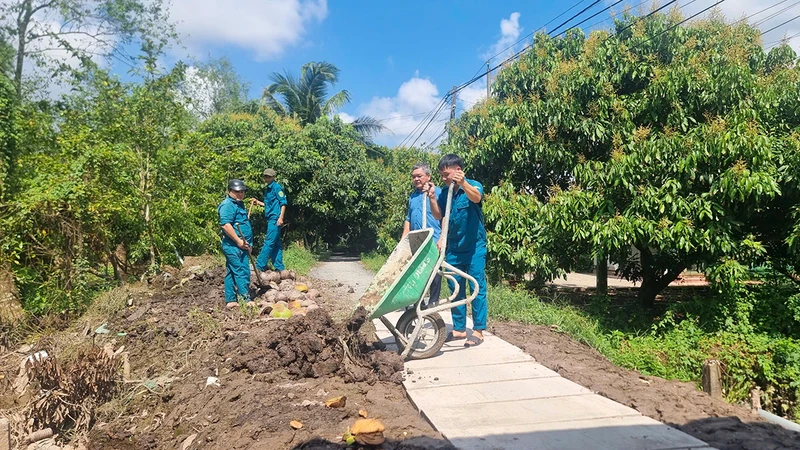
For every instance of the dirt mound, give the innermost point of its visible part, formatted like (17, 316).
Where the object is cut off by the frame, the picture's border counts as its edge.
(198, 373)
(312, 346)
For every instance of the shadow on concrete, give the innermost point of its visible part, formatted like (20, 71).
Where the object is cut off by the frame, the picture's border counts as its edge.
(417, 443)
(724, 433)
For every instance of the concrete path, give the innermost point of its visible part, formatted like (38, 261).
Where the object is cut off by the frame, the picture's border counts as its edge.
(497, 397)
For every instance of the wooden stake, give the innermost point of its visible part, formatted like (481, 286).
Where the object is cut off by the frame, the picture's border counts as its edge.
(711, 378)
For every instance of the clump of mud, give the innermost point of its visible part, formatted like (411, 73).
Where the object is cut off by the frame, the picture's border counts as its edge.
(312, 346)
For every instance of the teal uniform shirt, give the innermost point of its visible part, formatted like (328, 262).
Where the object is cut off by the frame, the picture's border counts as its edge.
(234, 212)
(274, 198)
(466, 231)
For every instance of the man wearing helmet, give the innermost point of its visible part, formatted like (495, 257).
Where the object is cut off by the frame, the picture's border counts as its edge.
(237, 238)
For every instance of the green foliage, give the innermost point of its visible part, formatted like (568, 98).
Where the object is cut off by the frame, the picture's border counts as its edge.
(373, 260)
(299, 259)
(306, 97)
(680, 144)
(517, 245)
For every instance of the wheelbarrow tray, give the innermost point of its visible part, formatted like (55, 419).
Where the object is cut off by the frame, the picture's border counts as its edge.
(404, 277)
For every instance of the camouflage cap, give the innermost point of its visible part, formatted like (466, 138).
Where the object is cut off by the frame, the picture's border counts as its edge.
(268, 172)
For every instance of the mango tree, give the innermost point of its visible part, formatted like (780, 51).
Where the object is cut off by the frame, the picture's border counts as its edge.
(661, 146)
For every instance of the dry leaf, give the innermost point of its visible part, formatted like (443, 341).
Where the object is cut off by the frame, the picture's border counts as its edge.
(336, 402)
(362, 413)
(367, 426)
(296, 425)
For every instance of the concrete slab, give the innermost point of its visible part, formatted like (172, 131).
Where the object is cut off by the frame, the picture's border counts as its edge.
(500, 391)
(497, 397)
(630, 433)
(452, 418)
(453, 354)
(455, 376)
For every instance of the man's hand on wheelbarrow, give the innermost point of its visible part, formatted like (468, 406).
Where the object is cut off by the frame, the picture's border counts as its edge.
(430, 190)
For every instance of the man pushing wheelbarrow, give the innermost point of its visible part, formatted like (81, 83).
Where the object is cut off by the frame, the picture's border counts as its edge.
(415, 262)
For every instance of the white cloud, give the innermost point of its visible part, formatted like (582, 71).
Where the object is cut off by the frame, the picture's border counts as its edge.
(346, 118)
(406, 112)
(472, 94)
(265, 27)
(509, 34)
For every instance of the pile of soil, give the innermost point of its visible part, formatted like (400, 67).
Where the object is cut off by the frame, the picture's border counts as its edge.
(679, 404)
(202, 376)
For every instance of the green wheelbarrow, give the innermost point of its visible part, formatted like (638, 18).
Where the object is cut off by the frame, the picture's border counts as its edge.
(404, 280)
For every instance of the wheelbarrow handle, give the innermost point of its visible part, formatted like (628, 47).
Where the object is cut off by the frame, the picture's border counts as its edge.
(446, 218)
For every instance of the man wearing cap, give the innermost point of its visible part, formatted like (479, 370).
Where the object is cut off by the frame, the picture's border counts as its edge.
(274, 209)
(237, 238)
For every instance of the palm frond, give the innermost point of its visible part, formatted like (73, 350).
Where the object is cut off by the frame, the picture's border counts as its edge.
(369, 126)
(336, 101)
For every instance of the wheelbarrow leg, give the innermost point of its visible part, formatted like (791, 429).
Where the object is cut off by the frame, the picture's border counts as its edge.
(393, 330)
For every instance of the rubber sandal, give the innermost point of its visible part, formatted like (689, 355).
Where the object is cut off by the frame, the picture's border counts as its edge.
(473, 342)
(451, 338)
(231, 305)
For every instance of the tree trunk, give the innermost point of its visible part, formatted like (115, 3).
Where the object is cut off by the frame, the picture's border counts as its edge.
(10, 307)
(149, 224)
(23, 19)
(602, 274)
(655, 277)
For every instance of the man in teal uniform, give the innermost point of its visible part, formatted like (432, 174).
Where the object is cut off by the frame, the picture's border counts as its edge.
(235, 244)
(274, 209)
(466, 242)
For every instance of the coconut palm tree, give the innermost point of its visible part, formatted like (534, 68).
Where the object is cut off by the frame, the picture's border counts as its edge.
(307, 98)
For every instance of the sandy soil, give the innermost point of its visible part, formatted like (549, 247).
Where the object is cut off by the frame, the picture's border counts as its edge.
(682, 405)
(269, 372)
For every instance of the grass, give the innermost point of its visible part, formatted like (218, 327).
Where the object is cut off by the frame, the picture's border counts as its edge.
(299, 259)
(373, 260)
(518, 305)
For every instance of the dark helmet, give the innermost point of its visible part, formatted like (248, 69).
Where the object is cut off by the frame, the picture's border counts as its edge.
(236, 185)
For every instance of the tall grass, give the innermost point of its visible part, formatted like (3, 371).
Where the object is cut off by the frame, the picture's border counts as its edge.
(299, 259)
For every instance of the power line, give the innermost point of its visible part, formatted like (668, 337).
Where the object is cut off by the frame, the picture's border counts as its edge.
(430, 116)
(778, 26)
(525, 38)
(775, 14)
(612, 17)
(576, 15)
(527, 47)
(429, 123)
(672, 27)
(590, 17)
(773, 43)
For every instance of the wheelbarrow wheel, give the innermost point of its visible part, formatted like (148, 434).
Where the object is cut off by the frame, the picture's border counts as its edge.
(431, 338)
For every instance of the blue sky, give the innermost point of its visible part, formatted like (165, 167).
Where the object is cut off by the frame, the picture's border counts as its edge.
(397, 58)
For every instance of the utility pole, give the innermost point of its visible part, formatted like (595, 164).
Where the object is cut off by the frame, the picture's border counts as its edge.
(453, 103)
(488, 80)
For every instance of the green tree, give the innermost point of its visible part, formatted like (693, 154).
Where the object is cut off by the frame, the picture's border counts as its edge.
(213, 87)
(661, 146)
(84, 29)
(307, 97)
